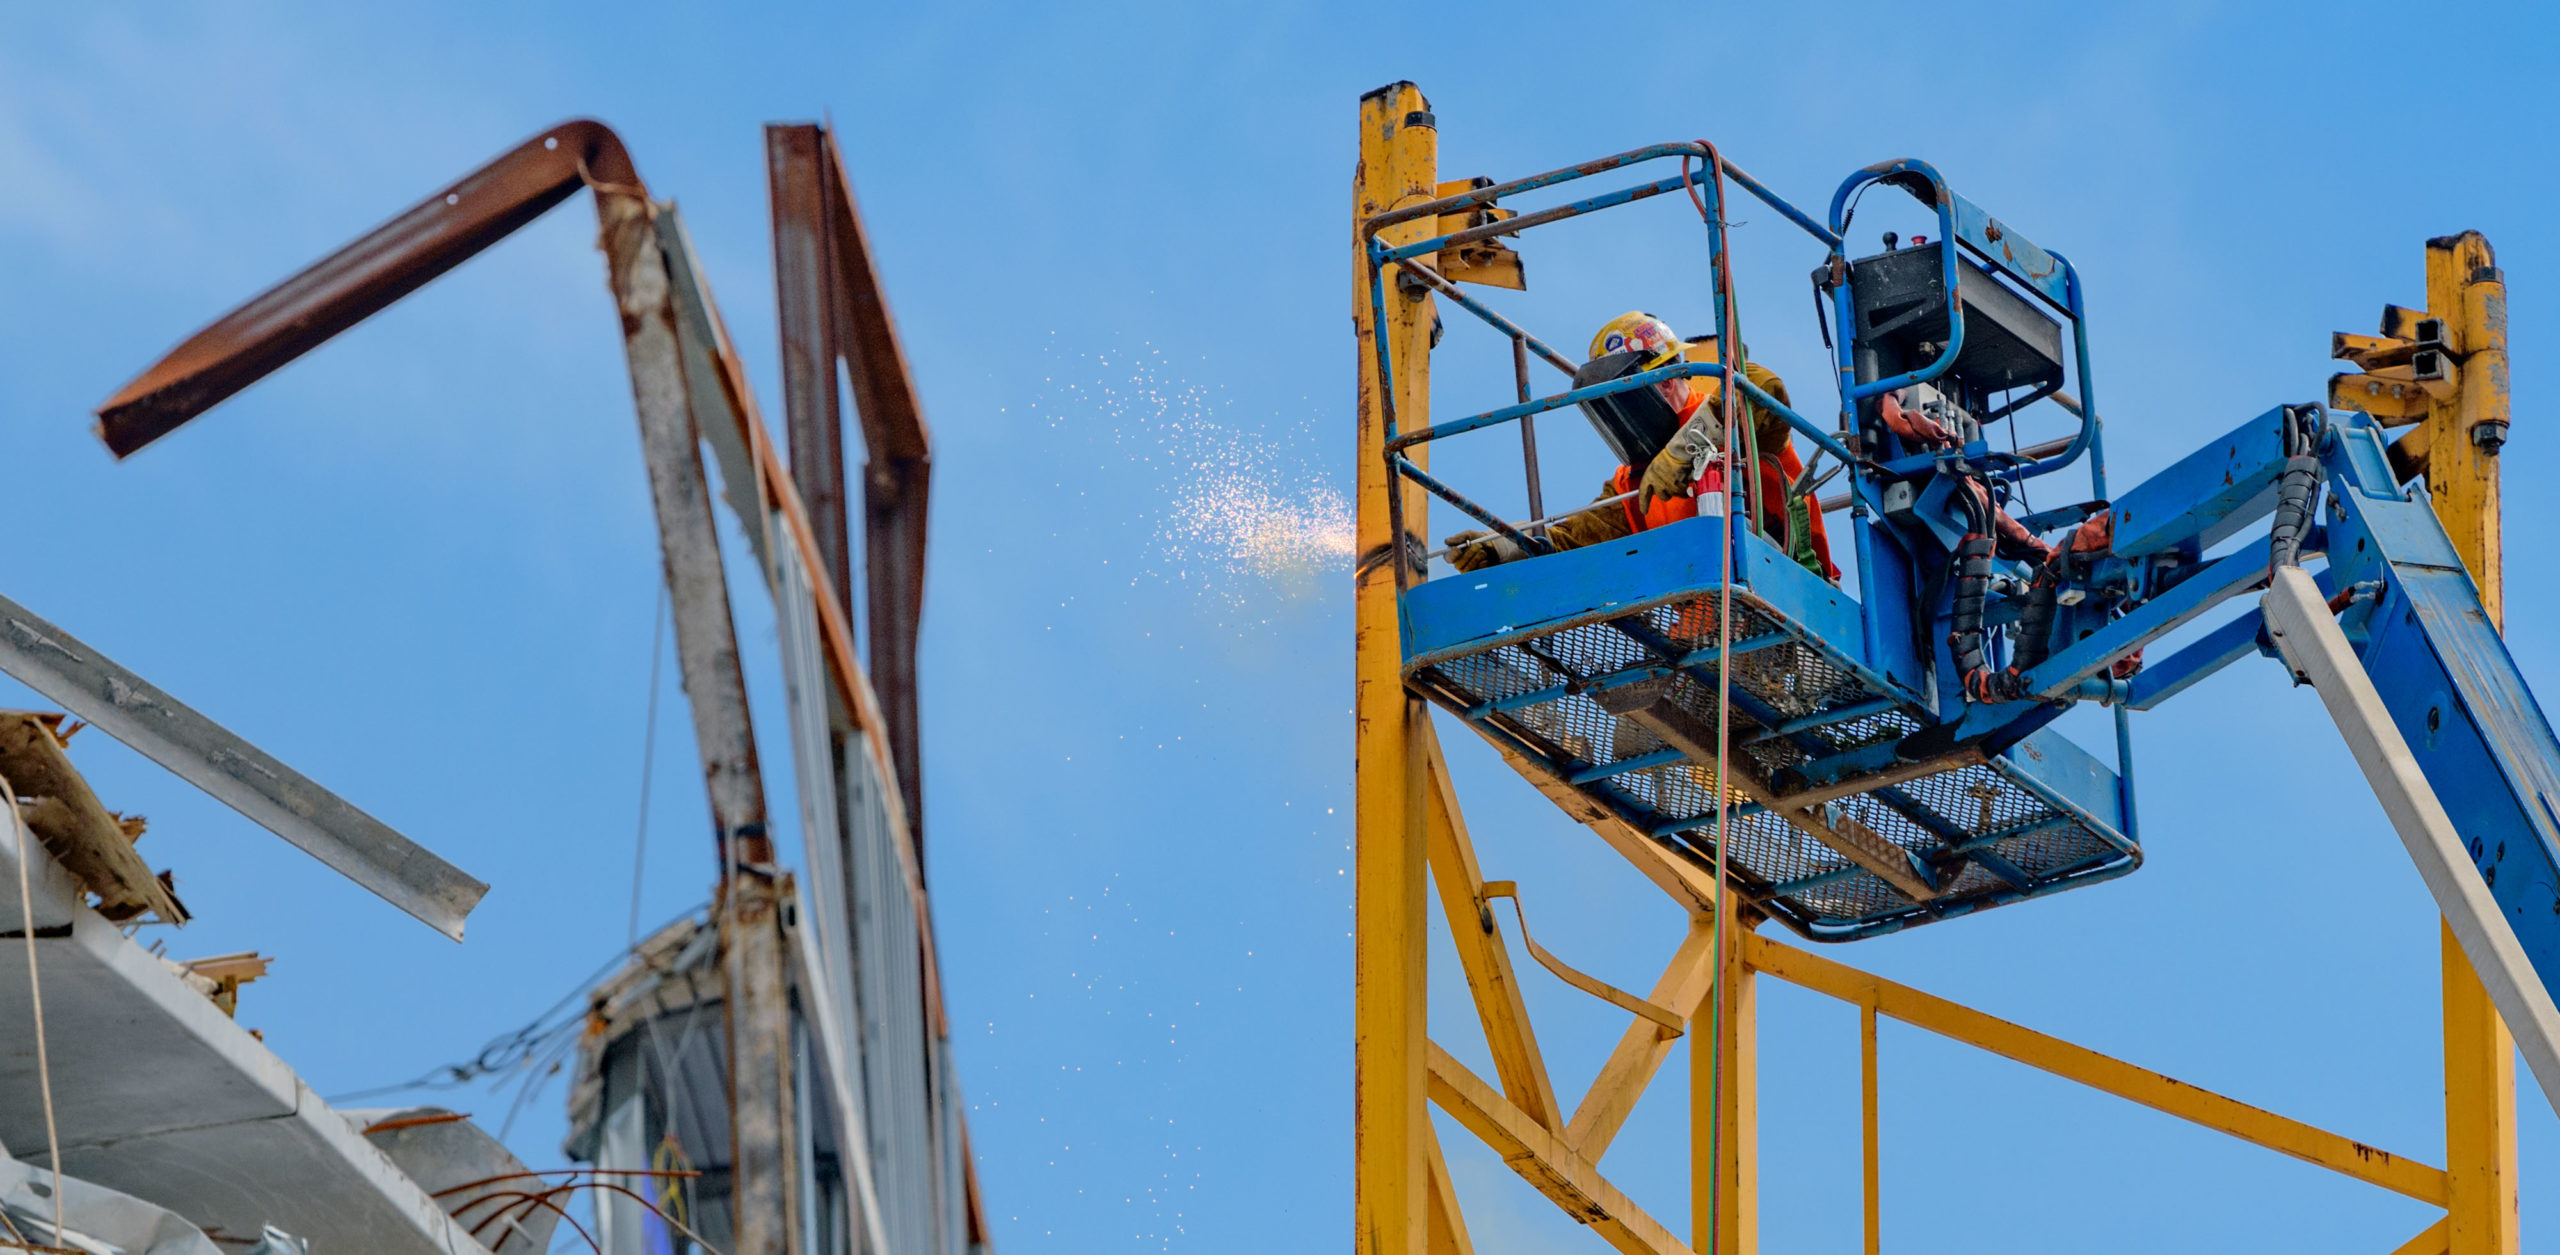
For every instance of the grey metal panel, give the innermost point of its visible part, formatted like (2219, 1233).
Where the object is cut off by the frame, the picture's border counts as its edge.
(955, 1173)
(705, 341)
(895, 1058)
(158, 1094)
(897, 1074)
(828, 943)
(245, 778)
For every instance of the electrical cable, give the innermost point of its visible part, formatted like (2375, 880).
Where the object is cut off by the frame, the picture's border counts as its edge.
(648, 756)
(513, 1051)
(35, 996)
(1729, 351)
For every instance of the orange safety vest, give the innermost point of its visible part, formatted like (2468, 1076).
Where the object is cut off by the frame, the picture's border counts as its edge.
(1775, 474)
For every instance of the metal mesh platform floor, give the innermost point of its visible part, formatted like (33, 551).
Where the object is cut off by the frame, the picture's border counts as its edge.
(1985, 830)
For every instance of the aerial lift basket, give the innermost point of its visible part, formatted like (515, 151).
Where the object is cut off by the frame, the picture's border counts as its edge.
(1578, 663)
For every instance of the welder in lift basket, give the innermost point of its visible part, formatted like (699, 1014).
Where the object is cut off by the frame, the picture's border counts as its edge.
(1674, 432)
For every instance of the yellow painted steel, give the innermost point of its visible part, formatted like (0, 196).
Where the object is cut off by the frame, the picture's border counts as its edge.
(1410, 829)
(1642, 1049)
(2465, 291)
(2366, 1163)
(2394, 400)
(1544, 1161)
(1874, 1151)
(1481, 952)
(1399, 151)
(2432, 1240)
(1448, 1224)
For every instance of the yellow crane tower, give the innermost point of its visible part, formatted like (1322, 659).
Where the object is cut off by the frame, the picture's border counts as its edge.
(2438, 375)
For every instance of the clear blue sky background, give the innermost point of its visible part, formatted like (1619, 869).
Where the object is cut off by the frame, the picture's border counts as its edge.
(418, 565)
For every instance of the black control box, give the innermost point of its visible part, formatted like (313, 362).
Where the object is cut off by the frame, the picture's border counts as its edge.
(1900, 301)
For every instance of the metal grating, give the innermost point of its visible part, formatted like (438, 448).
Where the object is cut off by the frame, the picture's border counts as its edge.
(1998, 837)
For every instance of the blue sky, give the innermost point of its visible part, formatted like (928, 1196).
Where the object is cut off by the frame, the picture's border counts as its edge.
(417, 565)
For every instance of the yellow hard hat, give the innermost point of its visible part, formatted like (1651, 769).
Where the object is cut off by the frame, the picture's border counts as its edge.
(1638, 332)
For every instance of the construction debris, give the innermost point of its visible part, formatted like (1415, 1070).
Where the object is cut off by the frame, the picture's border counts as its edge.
(221, 976)
(95, 843)
(474, 1178)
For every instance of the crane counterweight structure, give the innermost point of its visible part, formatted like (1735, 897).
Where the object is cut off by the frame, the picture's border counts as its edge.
(1766, 744)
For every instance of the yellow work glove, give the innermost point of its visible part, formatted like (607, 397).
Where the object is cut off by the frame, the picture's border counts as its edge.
(1596, 526)
(1476, 550)
(1671, 472)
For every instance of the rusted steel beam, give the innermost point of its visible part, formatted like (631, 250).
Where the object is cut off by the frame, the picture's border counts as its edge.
(762, 1123)
(896, 478)
(397, 258)
(804, 269)
(431, 237)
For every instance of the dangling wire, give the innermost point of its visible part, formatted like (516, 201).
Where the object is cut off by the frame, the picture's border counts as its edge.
(1729, 353)
(35, 996)
(648, 758)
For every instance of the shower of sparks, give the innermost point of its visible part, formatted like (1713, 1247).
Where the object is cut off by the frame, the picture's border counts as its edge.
(1257, 523)
(1237, 511)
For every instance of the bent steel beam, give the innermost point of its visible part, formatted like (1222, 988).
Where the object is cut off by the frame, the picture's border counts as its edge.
(832, 308)
(432, 237)
(435, 235)
(245, 778)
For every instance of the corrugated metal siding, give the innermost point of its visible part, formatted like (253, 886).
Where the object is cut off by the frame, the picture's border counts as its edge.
(897, 1072)
(870, 949)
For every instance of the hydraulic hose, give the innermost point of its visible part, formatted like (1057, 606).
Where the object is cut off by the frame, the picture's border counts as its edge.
(1966, 639)
(2297, 487)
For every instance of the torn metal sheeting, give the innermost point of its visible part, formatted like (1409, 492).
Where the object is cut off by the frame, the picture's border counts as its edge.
(242, 776)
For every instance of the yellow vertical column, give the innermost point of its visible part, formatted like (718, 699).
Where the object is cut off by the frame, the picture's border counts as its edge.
(1724, 1119)
(2464, 289)
(1399, 159)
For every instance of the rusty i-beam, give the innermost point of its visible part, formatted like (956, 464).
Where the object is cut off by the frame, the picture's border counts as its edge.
(432, 237)
(832, 309)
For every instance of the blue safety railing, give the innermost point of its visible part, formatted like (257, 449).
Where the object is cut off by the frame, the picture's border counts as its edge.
(1999, 251)
(2046, 275)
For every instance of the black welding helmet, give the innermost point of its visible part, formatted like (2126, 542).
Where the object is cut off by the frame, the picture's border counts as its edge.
(1635, 423)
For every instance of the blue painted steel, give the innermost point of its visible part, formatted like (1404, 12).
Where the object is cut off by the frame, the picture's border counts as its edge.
(1481, 310)
(2223, 579)
(2013, 254)
(2482, 740)
(1378, 342)
(1494, 195)
(2086, 406)
(2184, 669)
(1705, 826)
(2207, 496)
(1707, 655)
(1455, 619)
(2457, 697)
(1844, 714)
(1882, 650)
(1830, 443)
(1938, 200)
(1641, 762)
(1511, 413)
(1406, 468)
(1465, 614)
